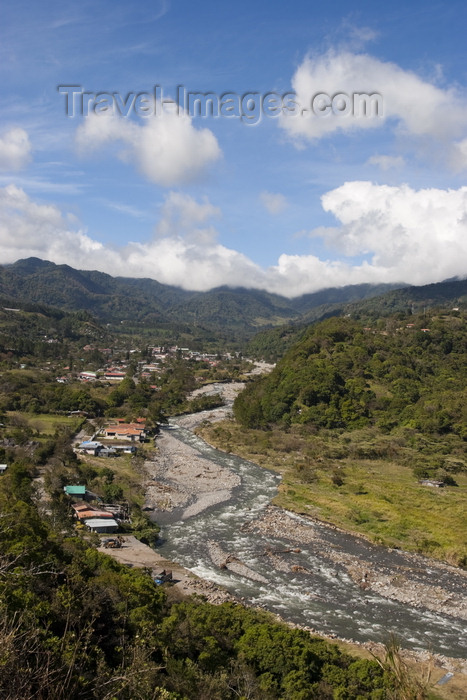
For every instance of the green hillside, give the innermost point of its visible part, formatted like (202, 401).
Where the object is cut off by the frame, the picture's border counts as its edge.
(355, 417)
(228, 314)
(364, 303)
(342, 374)
(42, 332)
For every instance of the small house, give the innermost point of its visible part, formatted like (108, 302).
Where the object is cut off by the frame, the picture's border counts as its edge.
(114, 376)
(3, 468)
(130, 432)
(75, 490)
(102, 525)
(90, 447)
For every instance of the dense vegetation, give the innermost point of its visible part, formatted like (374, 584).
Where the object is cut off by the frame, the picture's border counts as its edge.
(43, 332)
(223, 315)
(271, 344)
(355, 416)
(342, 375)
(76, 624)
(36, 391)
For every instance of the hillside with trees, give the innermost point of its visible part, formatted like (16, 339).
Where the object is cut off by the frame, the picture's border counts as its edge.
(228, 314)
(357, 417)
(345, 375)
(45, 333)
(271, 344)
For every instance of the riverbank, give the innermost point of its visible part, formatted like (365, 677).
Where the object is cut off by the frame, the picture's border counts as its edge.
(405, 577)
(185, 583)
(134, 553)
(181, 462)
(191, 481)
(179, 478)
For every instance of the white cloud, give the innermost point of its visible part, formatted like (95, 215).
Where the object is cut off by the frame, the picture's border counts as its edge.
(127, 209)
(275, 203)
(181, 215)
(15, 149)
(359, 36)
(386, 162)
(183, 252)
(415, 236)
(411, 105)
(41, 230)
(167, 149)
(406, 235)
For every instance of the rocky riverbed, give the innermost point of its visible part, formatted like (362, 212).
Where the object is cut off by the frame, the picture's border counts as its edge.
(405, 577)
(179, 478)
(183, 483)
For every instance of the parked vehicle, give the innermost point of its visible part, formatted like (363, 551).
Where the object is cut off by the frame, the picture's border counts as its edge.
(163, 577)
(113, 543)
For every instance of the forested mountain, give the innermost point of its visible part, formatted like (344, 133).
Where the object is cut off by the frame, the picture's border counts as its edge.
(45, 332)
(271, 344)
(452, 293)
(62, 286)
(405, 369)
(240, 312)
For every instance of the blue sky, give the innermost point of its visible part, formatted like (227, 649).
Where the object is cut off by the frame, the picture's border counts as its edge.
(293, 203)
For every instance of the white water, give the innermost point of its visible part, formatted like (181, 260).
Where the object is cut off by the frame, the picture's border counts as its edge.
(325, 598)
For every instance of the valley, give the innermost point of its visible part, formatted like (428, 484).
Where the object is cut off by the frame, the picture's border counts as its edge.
(320, 480)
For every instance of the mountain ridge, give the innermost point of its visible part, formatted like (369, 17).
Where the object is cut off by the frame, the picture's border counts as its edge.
(239, 310)
(233, 313)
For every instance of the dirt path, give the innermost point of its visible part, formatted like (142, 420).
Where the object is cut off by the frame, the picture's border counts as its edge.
(135, 553)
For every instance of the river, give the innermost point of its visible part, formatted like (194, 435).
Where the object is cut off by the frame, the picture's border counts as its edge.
(311, 587)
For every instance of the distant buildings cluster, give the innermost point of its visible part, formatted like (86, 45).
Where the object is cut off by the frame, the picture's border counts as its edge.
(117, 371)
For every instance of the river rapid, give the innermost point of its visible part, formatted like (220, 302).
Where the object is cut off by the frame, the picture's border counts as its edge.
(310, 573)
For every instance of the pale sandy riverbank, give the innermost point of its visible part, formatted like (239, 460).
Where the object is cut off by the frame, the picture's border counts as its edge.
(179, 477)
(135, 553)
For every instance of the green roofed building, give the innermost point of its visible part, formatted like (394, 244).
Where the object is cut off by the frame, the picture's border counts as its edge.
(75, 491)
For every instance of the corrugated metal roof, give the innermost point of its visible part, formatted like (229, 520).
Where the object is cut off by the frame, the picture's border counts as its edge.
(75, 490)
(84, 514)
(101, 522)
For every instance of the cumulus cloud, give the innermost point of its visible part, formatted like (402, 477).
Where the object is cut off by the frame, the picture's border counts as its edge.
(181, 215)
(413, 235)
(410, 104)
(184, 250)
(167, 148)
(275, 203)
(405, 235)
(15, 149)
(41, 230)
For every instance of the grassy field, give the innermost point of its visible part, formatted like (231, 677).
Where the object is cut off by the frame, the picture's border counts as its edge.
(44, 423)
(379, 498)
(127, 474)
